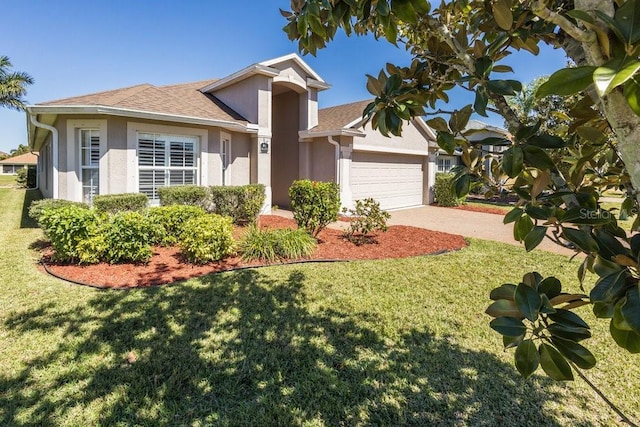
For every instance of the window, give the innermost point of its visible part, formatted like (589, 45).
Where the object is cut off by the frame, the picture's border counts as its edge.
(165, 160)
(445, 163)
(90, 163)
(225, 159)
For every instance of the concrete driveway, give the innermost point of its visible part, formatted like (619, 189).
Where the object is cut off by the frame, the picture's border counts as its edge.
(466, 223)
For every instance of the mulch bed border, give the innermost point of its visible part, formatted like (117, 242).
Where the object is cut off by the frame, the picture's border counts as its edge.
(226, 270)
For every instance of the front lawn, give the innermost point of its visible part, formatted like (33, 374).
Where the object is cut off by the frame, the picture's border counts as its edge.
(7, 180)
(370, 342)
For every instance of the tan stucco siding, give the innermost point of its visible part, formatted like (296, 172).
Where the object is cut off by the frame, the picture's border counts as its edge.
(244, 98)
(323, 160)
(412, 141)
(240, 159)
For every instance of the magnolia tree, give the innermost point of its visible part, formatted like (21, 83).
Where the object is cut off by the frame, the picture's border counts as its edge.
(558, 176)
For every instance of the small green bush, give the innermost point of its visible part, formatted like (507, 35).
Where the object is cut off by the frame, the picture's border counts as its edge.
(207, 238)
(21, 177)
(241, 203)
(38, 206)
(315, 204)
(113, 203)
(92, 250)
(172, 219)
(66, 227)
(193, 195)
(443, 190)
(128, 237)
(366, 217)
(271, 245)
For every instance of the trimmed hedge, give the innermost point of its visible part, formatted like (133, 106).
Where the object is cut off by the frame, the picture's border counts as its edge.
(38, 206)
(207, 238)
(67, 226)
(113, 203)
(241, 203)
(172, 220)
(315, 204)
(128, 237)
(193, 195)
(443, 190)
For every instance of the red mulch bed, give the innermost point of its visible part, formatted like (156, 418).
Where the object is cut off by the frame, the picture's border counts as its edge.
(495, 211)
(167, 266)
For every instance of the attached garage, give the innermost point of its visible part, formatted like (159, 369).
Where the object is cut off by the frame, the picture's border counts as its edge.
(394, 180)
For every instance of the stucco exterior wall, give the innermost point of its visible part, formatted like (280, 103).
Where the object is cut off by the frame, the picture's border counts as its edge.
(323, 160)
(412, 141)
(244, 97)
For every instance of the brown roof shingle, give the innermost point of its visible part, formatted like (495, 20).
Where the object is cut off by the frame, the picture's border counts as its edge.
(22, 159)
(334, 118)
(178, 99)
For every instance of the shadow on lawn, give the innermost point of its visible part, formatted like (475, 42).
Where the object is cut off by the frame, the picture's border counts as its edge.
(25, 220)
(243, 349)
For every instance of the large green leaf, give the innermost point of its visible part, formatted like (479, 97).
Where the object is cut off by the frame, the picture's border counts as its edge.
(614, 73)
(632, 94)
(575, 352)
(512, 161)
(513, 215)
(551, 287)
(481, 101)
(522, 227)
(545, 140)
(501, 87)
(460, 118)
(446, 141)
(534, 237)
(508, 326)
(528, 301)
(502, 308)
(527, 358)
(573, 333)
(462, 185)
(630, 309)
(627, 18)
(581, 239)
(404, 10)
(374, 86)
(510, 342)
(537, 157)
(567, 81)
(506, 291)
(610, 287)
(438, 124)
(568, 318)
(554, 364)
(626, 339)
(502, 14)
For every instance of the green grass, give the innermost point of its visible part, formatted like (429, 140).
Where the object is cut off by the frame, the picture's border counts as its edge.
(488, 204)
(392, 342)
(7, 180)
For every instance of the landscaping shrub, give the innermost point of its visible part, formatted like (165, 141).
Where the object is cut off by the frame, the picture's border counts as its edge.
(66, 227)
(271, 245)
(315, 204)
(193, 195)
(207, 238)
(38, 206)
(21, 177)
(92, 250)
(172, 219)
(443, 190)
(113, 203)
(366, 217)
(241, 203)
(128, 237)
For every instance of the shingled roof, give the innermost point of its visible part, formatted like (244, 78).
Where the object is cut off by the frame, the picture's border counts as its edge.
(22, 159)
(178, 99)
(338, 117)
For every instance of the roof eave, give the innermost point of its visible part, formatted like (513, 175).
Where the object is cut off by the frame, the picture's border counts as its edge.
(245, 73)
(317, 84)
(140, 114)
(307, 134)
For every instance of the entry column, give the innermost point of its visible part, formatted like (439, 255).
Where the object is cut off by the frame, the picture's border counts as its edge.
(262, 146)
(344, 175)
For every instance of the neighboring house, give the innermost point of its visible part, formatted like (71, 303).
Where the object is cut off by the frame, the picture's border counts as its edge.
(475, 131)
(258, 125)
(11, 165)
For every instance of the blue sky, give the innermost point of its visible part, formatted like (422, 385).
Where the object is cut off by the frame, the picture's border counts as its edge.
(77, 47)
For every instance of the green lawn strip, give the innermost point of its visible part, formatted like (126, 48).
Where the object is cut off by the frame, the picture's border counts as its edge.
(370, 342)
(8, 181)
(488, 204)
